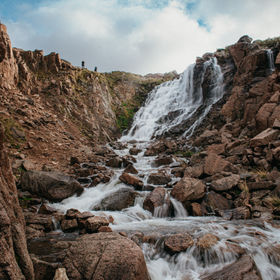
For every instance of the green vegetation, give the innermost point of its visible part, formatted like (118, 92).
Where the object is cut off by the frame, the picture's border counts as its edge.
(13, 132)
(125, 116)
(186, 153)
(244, 187)
(268, 43)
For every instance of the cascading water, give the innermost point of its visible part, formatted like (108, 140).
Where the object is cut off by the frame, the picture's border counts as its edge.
(175, 102)
(270, 57)
(181, 98)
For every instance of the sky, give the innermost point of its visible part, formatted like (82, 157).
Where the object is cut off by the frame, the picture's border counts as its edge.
(139, 36)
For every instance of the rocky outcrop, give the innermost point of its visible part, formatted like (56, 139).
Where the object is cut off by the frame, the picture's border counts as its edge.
(53, 111)
(15, 262)
(53, 186)
(105, 256)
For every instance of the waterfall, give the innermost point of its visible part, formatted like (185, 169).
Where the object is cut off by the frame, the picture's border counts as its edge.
(176, 103)
(270, 58)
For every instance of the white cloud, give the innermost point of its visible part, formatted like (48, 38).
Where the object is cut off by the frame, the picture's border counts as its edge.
(134, 37)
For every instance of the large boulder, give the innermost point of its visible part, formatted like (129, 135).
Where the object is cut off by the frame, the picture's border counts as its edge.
(107, 256)
(15, 262)
(188, 189)
(53, 186)
(118, 200)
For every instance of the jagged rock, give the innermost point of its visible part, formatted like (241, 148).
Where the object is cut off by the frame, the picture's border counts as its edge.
(105, 256)
(53, 186)
(215, 164)
(194, 171)
(196, 209)
(73, 214)
(225, 183)
(159, 178)
(69, 225)
(94, 223)
(131, 180)
(188, 189)
(118, 200)
(177, 243)
(44, 221)
(263, 115)
(155, 199)
(217, 201)
(264, 138)
(208, 137)
(242, 269)
(130, 169)
(46, 209)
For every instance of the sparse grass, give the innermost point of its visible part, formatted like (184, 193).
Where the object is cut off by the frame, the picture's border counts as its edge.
(261, 173)
(244, 187)
(186, 153)
(268, 43)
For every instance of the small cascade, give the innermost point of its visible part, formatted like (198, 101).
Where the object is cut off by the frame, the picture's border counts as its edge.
(270, 58)
(179, 101)
(180, 211)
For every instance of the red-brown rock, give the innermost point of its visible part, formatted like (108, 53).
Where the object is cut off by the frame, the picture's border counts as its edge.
(225, 183)
(264, 138)
(188, 189)
(94, 223)
(105, 256)
(177, 243)
(131, 180)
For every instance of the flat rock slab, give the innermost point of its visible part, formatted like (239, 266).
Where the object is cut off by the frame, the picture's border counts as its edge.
(264, 138)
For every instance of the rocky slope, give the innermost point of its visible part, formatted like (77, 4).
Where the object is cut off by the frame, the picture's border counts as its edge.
(52, 110)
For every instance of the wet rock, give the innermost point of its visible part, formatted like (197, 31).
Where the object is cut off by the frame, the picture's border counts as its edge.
(188, 189)
(53, 186)
(162, 160)
(216, 164)
(239, 213)
(130, 169)
(225, 183)
(155, 199)
(134, 151)
(90, 256)
(159, 178)
(94, 223)
(207, 241)
(264, 138)
(177, 243)
(115, 162)
(69, 225)
(131, 180)
(242, 269)
(155, 149)
(119, 200)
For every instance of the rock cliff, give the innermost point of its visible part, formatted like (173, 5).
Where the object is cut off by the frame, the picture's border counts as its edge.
(52, 110)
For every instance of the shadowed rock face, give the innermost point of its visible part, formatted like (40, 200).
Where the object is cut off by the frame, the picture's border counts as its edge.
(15, 262)
(105, 256)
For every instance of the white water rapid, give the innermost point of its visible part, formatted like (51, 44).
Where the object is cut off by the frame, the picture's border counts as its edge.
(270, 57)
(256, 239)
(175, 102)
